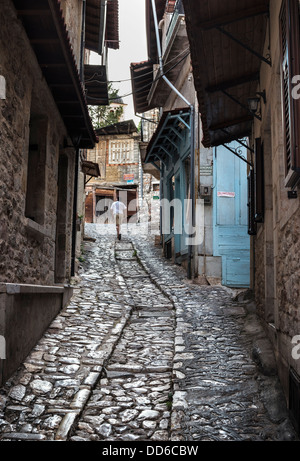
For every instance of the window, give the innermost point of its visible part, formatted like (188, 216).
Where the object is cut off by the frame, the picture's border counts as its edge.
(121, 151)
(289, 35)
(259, 181)
(36, 169)
(251, 222)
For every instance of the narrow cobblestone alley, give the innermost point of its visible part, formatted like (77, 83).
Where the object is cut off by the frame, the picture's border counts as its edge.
(140, 354)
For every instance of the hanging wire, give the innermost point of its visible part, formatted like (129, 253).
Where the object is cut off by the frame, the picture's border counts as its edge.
(91, 79)
(148, 84)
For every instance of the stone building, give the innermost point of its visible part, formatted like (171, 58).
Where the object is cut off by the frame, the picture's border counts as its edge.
(193, 231)
(249, 87)
(168, 150)
(118, 156)
(45, 130)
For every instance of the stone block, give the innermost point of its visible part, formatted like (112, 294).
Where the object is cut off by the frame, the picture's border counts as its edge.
(2, 87)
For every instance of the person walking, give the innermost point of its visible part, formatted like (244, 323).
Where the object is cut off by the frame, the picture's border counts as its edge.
(118, 209)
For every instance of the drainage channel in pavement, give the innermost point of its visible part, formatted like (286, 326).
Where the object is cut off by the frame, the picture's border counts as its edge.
(133, 399)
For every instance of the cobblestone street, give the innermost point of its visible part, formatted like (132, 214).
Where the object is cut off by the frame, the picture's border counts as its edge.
(140, 353)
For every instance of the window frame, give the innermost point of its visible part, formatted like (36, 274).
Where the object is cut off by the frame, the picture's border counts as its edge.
(290, 66)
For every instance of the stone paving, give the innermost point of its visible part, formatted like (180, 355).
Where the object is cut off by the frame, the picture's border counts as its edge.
(140, 353)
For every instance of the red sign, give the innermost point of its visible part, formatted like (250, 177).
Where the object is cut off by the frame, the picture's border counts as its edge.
(127, 177)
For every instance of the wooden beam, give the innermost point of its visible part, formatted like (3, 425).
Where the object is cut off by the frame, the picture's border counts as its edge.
(233, 17)
(227, 123)
(36, 12)
(44, 41)
(234, 82)
(53, 65)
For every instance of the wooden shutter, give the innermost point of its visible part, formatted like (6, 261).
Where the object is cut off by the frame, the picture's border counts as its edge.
(289, 35)
(259, 182)
(251, 207)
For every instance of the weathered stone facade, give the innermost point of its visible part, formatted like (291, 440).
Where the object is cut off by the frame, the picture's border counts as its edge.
(118, 157)
(38, 169)
(27, 248)
(275, 266)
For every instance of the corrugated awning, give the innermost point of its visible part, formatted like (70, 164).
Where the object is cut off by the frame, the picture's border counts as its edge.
(169, 133)
(127, 127)
(226, 40)
(96, 89)
(48, 36)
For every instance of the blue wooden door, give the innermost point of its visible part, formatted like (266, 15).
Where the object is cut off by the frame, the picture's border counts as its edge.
(231, 239)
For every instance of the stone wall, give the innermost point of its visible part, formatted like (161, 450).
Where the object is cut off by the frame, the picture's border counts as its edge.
(277, 243)
(259, 279)
(27, 247)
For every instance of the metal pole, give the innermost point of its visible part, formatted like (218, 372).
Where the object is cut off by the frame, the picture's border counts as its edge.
(192, 153)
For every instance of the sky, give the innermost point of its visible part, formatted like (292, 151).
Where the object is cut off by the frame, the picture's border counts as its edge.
(133, 48)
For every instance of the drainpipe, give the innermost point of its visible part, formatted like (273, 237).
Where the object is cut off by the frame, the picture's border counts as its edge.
(192, 123)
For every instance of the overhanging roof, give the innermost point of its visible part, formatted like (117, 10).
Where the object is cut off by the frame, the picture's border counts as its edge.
(48, 36)
(150, 29)
(165, 141)
(127, 127)
(141, 81)
(112, 25)
(95, 80)
(90, 168)
(96, 19)
(226, 40)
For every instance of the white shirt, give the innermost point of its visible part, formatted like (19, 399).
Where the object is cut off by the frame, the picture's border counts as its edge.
(118, 208)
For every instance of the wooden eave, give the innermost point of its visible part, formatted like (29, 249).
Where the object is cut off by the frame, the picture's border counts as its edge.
(90, 168)
(174, 58)
(120, 128)
(225, 71)
(96, 88)
(112, 25)
(141, 82)
(93, 30)
(48, 36)
(150, 29)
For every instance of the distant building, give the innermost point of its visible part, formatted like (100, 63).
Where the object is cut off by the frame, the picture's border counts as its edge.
(117, 155)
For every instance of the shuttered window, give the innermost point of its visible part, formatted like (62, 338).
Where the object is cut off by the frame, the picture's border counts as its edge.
(289, 35)
(259, 182)
(251, 208)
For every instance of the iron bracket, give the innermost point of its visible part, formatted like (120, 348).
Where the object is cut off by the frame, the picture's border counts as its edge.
(238, 155)
(244, 45)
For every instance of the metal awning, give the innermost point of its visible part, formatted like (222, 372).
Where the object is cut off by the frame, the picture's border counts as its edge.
(169, 133)
(95, 81)
(102, 14)
(226, 40)
(126, 127)
(48, 36)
